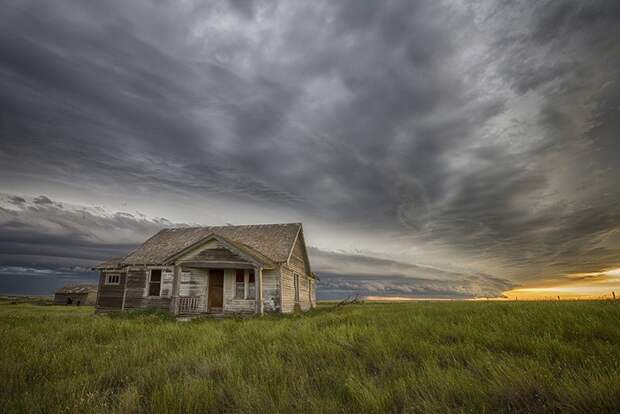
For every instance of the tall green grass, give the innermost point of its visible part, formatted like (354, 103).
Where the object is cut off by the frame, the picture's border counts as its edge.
(372, 358)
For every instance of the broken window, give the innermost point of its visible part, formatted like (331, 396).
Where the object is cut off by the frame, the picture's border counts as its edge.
(239, 284)
(251, 285)
(155, 282)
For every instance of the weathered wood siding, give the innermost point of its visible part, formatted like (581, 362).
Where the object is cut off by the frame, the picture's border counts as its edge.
(307, 298)
(194, 282)
(137, 297)
(307, 287)
(287, 290)
(136, 288)
(220, 254)
(110, 297)
(271, 290)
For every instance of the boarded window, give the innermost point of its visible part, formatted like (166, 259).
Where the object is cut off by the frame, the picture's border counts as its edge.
(251, 285)
(112, 279)
(296, 285)
(239, 284)
(155, 282)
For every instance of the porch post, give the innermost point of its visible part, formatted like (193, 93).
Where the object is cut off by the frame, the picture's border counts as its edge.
(176, 282)
(259, 290)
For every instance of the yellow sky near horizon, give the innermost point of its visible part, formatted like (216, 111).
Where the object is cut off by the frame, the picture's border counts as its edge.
(576, 286)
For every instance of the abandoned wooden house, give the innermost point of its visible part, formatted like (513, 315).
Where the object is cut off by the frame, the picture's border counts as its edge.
(223, 269)
(76, 295)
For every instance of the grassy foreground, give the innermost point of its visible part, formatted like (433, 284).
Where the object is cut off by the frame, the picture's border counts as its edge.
(414, 357)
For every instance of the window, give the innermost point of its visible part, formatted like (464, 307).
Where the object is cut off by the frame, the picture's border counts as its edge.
(296, 284)
(240, 284)
(112, 279)
(244, 285)
(155, 282)
(251, 288)
(309, 289)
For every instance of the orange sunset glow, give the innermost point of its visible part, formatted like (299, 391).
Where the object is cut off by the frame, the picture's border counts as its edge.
(601, 285)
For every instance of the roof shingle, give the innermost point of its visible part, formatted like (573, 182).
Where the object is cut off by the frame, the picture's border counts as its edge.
(271, 240)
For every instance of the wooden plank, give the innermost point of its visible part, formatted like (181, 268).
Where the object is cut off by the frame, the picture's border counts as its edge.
(111, 296)
(176, 279)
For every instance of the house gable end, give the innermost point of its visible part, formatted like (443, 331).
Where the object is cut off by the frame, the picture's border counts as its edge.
(213, 248)
(298, 256)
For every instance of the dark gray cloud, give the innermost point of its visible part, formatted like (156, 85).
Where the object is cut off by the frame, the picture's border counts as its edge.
(48, 234)
(344, 274)
(475, 136)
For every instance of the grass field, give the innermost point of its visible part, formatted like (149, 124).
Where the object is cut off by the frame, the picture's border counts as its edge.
(412, 357)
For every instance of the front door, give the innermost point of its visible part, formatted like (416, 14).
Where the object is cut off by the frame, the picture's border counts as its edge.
(216, 290)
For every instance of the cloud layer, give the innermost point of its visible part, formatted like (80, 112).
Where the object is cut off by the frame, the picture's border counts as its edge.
(479, 137)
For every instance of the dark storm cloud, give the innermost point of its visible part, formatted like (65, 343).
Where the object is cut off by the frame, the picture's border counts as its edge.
(344, 273)
(484, 130)
(50, 235)
(552, 206)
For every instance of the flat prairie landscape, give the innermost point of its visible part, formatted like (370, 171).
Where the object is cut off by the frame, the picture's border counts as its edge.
(411, 357)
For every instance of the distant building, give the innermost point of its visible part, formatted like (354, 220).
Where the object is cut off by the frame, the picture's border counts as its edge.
(76, 295)
(225, 269)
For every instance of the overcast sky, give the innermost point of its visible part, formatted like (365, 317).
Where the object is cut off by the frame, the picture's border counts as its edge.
(431, 148)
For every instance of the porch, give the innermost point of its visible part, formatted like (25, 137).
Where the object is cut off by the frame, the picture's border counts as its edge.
(214, 291)
(217, 276)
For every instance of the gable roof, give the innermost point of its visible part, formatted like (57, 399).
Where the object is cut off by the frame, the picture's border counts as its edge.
(227, 251)
(273, 241)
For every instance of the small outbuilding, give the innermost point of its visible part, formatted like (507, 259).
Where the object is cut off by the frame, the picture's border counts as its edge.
(76, 295)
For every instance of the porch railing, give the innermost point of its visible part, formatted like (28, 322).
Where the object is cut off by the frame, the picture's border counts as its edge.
(189, 304)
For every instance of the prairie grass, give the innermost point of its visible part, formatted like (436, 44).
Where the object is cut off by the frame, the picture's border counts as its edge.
(371, 358)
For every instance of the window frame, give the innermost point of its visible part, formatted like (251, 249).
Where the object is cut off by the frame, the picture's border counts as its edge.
(237, 283)
(249, 287)
(251, 293)
(107, 279)
(150, 282)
